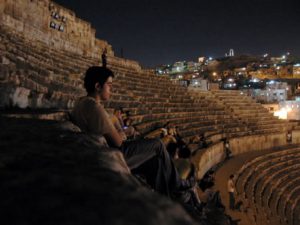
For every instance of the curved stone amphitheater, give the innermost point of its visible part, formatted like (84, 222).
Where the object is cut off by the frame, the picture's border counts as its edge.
(271, 184)
(41, 70)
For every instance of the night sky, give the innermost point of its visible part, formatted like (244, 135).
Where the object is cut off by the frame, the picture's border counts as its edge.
(155, 32)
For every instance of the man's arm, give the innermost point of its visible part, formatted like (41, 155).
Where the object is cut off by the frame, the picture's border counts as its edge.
(102, 122)
(116, 124)
(114, 138)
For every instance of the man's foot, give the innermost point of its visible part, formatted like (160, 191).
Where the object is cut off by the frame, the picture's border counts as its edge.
(191, 204)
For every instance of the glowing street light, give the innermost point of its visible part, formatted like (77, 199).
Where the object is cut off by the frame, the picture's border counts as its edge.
(282, 113)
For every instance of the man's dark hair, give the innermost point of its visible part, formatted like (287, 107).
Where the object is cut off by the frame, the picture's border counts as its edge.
(210, 184)
(96, 74)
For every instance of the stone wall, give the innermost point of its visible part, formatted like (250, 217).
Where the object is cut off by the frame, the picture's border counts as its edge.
(204, 160)
(52, 24)
(257, 142)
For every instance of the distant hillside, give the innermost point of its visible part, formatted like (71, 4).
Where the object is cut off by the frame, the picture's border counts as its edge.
(229, 63)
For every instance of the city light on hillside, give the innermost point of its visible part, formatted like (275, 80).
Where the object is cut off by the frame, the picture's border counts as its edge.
(282, 113)
(255, 80)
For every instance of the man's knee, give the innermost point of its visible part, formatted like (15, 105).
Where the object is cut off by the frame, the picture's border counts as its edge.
(159, 146)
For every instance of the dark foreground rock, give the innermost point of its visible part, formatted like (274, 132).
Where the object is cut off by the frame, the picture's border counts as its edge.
(50, 176)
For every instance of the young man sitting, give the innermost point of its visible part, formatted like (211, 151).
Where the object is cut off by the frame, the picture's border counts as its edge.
(148, 158)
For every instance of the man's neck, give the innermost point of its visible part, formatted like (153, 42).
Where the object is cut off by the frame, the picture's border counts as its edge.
(95, 96)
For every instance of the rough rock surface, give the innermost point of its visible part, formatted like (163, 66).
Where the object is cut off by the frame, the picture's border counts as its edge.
(50, 175)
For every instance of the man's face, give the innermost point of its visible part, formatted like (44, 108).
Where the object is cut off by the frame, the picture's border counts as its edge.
(106, 90)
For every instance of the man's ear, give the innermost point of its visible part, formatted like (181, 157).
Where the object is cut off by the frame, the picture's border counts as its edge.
(97, 86)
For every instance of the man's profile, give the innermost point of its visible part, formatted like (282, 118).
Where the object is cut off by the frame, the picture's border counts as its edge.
(146, 157)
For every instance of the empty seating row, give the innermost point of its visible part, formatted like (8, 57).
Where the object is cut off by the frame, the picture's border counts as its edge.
(271, 183)
(253, 114)
(152, 100)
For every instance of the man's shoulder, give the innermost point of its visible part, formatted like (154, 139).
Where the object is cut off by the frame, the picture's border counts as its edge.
(87, 106)
(87, 102)
(87, 99)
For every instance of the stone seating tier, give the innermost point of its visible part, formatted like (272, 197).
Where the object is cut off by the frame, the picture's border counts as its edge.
(284, 203)
(287, 199)
(253, 116)
(260, 179)
(272, 182)
(285, 175)
(44, 80)
(146, 123)
(146, 80)
(257, 161)
(243, 110)
(53, 95)
(266, 181)
(242, 104)
(48, 72)
(17, 40)
(280, 188)
(150, 90)
(55, 174)
(45, 60)
(51, 69)
(246, 170)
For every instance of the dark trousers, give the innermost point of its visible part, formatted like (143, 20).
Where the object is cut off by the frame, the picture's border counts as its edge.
(149, 158)
(231, 200)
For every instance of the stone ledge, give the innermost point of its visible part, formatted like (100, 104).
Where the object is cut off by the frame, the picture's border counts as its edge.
(53, 175)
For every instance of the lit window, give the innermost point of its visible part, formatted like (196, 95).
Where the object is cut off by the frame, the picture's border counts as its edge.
(52, 24)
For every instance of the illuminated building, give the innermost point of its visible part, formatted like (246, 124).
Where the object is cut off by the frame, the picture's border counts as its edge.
(273, 93)
(296, 70)
(289, 110)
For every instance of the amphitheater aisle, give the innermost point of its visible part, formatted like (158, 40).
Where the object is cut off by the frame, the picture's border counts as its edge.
(222, 174)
